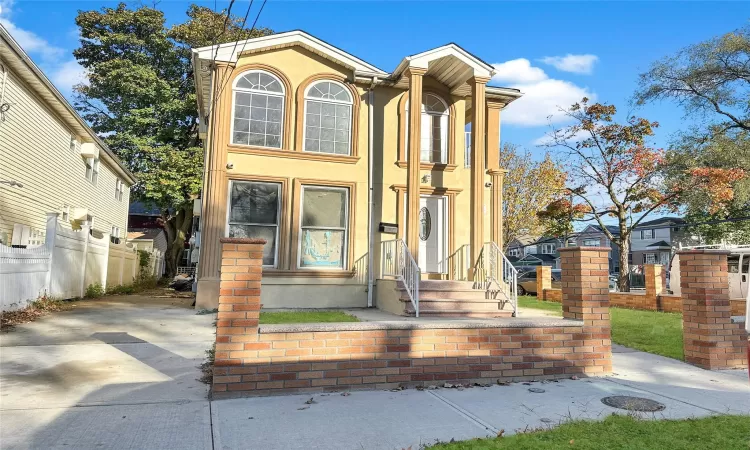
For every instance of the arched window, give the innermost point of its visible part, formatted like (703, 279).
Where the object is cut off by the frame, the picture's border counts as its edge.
(328, 118)
(258, 111)
(434, 136)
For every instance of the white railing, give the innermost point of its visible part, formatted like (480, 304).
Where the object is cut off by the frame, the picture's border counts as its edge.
(458, 264)
(398, 263)
(494, 268)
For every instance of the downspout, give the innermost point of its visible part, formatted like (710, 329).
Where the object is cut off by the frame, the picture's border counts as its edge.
(370, 204)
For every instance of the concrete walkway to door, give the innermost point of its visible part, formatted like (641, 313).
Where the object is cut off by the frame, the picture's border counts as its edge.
(122, 373)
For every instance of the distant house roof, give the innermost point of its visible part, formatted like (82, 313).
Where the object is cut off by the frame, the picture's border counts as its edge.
(540, 256)
(660, 244)
(544, 239)
(661, 221)
(141, 209)
(143, 233)
(597, 229)
(524, 239)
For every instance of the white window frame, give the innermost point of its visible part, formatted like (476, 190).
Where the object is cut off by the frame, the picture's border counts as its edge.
(92, 169)
(349, 103)
(281, 95)
(254, 224)
(586, 242)
(119, 188)
(548, 249)
(444, 125)
(650, 232)
(514, 251)
(345, 247)
(649, 258)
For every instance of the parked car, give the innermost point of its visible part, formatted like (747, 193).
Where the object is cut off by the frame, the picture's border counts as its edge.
(527, 281)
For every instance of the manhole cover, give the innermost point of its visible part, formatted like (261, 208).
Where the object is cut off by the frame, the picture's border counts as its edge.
(633, 403)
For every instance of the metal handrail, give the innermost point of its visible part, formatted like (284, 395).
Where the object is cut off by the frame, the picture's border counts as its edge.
(398, 262)
(496, 267)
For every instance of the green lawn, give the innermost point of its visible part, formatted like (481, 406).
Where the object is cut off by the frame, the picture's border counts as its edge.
(650, 331)
(305, 317)
(529, 301)
(624, 433)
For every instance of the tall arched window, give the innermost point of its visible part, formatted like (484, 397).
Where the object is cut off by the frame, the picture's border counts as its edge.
(434, 136)
(258, 111)
(328, 118)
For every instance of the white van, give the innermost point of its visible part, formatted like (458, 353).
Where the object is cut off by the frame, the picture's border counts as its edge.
(738, 266)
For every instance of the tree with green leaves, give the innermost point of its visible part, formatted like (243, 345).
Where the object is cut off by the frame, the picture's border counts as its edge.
(140, 97)
(711, 81)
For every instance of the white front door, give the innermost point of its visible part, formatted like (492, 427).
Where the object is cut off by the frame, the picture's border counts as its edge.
(432, 215)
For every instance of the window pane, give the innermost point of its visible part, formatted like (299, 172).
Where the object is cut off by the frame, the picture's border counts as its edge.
(258, 113)
(243, 98)
(273, 141)
(324, 208)
(259, 100)
(267, 233)
(256, 139)
(312, 145)
(254, 202)
(322, 248)
(274, 102)
(240, 138)
(256, 126)
(241, 112)
(326, 146)
(241, 125)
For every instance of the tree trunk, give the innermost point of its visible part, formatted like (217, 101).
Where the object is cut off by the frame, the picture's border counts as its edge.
(177, 227)
(623, 282)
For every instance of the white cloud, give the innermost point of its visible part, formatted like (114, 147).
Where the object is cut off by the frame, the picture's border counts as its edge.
(543, 96)
(64, 72)
(518, 71)
(547, 138)
(67, 75)
(572, 63)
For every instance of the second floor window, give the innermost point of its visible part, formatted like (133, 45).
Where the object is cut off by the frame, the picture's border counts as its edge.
(434, 132)
(548, 249)
(328, 118)
(92, 169)
(258, 110)
(591, 242)
(647, 234)
(119, 189)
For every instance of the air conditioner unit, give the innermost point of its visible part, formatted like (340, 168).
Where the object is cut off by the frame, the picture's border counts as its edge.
(89, 150)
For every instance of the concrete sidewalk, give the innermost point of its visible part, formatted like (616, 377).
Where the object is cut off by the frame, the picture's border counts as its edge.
(122, 373)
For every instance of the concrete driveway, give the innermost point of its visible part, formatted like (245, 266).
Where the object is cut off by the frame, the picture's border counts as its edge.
(115, 373)
(122, 373)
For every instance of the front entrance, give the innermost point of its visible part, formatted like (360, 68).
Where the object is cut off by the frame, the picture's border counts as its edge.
(432, 233)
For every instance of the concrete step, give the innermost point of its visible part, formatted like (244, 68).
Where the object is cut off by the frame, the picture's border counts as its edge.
(461, 313)
(456, 304)
(462, 294)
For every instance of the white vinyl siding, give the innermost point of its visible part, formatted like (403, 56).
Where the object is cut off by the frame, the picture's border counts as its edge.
(35, 150)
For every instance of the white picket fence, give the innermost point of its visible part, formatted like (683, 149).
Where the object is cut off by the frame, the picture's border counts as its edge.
(67, 263)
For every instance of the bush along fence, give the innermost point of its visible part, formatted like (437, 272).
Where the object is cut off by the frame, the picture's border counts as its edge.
(653, 298)
(251, 359)
(65, 266)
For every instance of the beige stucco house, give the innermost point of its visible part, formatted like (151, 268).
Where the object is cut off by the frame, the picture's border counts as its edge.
(50, 160)
(307, 146)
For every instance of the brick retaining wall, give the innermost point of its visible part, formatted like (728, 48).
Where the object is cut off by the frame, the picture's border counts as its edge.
(277, 359)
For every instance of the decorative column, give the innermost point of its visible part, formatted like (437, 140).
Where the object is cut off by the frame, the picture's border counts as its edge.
(585, 297)
(711, 339)
(214, 198)
(496, 206)
(413, 159)
(476, 232)
(655, 280)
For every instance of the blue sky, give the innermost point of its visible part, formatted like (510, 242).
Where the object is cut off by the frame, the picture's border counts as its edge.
(556, 52)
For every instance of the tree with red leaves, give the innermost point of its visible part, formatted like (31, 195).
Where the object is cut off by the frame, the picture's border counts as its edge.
(614, 173)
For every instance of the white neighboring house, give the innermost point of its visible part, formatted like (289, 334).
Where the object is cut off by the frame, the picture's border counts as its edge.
(50, 159)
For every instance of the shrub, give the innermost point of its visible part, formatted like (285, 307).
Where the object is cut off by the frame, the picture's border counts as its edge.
(94, 290)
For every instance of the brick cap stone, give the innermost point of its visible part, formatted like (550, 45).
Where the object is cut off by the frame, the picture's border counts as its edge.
(702, 251)
(242, 241)
(552, 322)
(587, 249)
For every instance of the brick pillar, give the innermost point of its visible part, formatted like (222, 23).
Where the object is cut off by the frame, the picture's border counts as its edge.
(710, 338)
(543, 280)
(585, 296)
(655, 282)
(239, 308)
